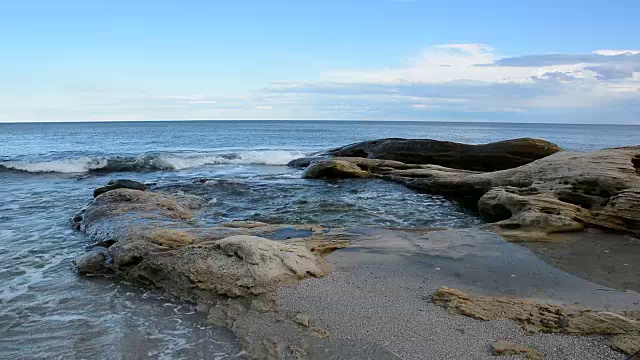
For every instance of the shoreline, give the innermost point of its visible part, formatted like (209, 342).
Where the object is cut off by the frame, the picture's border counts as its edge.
(343, 292)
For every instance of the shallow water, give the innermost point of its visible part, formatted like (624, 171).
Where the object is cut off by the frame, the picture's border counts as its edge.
(48, 172)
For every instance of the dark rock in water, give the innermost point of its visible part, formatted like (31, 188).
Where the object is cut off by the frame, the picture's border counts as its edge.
(485, 157)
(120, 184)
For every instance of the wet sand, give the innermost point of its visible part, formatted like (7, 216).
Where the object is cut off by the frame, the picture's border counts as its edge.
(611, 260)
(379, 296)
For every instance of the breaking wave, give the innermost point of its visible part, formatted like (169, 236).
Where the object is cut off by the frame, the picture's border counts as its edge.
(107, 164)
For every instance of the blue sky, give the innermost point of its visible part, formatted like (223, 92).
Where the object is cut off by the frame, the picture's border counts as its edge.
(523, 61)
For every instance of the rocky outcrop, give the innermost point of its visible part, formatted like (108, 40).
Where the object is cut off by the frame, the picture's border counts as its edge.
(485, 157)
(334, 169)
(560, 193)
(563, 192)
(153, 239)
(341, 168)
(119, 184)
(548, 318)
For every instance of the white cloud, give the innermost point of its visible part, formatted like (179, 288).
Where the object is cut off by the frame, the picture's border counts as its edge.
(616, 52)
(471, 78)
(451, 62)
(442, 82)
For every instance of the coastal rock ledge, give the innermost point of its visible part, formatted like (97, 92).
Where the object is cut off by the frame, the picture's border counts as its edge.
(152, 239)
(562, 192)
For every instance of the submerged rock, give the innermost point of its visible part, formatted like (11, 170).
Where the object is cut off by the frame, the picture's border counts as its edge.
(485, 157)
(119, 184)
(539, 317)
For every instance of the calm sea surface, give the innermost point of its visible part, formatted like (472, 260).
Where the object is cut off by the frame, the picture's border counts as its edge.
(48, 171)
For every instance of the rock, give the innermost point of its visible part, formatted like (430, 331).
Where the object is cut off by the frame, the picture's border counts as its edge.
(109, 215)
(303, 320)
(485, 157)
(94, 262)
(504, 347)
(334, 169)
(119, 184)
(341, 168)
(305, 161)
(627, 344)
(538, 317)
(562, 192)
(151, 239)
(239, 265)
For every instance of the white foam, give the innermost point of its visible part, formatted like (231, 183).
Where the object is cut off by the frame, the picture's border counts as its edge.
(152, 162)
(78, 165)
(257, 157)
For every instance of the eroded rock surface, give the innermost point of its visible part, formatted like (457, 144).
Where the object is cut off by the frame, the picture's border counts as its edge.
(485, 157)
(153, 239)
(563, 192)
(560, 193)
(335, 168)
(504, 347)
(538, 317)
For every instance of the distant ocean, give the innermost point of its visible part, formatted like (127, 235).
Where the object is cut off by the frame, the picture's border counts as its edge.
(48, 171)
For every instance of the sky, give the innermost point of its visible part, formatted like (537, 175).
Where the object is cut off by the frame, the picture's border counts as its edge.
(559, 61)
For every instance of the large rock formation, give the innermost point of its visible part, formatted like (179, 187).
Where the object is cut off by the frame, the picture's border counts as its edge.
(153, 239)
(624, 329)
(563, 192)
(485, 157)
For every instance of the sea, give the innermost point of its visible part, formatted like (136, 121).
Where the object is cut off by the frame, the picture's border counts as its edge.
(49, 170)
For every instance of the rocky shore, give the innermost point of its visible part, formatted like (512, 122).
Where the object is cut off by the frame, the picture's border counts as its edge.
(309, 284)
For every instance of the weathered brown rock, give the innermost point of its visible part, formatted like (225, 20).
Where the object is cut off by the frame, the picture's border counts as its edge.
(560, 193)
(334, 169)
(628, 344)
(504, 347)
(563, 192)
(341, 168)
(152, 239)
(485, 157)
(538, 317)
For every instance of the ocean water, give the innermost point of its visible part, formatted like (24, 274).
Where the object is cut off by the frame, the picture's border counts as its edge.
(48, 172)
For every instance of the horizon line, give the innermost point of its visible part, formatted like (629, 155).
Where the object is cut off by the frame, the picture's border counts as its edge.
(302, 120)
